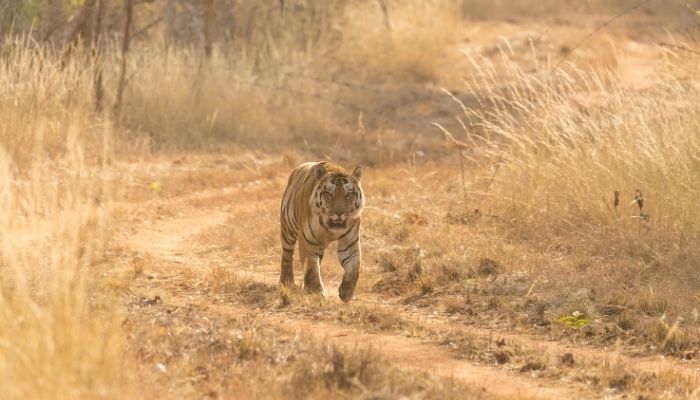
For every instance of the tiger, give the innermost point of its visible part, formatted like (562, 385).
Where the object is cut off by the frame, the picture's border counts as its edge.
(322, 203)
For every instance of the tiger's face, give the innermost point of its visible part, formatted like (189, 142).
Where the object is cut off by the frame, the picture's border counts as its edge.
(338, 197)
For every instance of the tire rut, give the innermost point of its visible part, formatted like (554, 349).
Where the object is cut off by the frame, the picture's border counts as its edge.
(170, 240)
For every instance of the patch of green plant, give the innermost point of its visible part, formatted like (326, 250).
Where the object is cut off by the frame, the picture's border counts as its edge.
(576, 320)
(155, 186)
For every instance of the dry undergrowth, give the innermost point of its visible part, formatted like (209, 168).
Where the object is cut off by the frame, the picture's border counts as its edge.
(226, 355)
(229, 286)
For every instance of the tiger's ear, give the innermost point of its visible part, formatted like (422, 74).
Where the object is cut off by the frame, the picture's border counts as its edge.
(357, 173)
(319, 171)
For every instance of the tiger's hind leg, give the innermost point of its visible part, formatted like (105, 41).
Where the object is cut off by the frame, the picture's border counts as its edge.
(287, 267)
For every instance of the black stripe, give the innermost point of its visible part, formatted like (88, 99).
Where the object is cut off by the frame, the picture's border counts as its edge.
(285, 227)
(289, 216)
(348, 231)
(307, 239)
(288, 234)
(285, 210)
(286, 215)
(295, 175)
(318, 255)
(344, 260)
(285, 202)
(308, 222)
(350, 245)
(288, 241)
(291, 221)
(291, 224)
(309, 174)
(289, 189)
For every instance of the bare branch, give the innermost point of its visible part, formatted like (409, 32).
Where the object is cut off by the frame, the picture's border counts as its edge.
(147, 27)
(600, 28)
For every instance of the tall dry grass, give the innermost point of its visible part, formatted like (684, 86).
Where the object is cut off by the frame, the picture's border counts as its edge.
(176, 101)
(565, 143)
(277, 84)
(271, 84)
(525, 8)
(59, 332)
(403, 44)
(42, 95)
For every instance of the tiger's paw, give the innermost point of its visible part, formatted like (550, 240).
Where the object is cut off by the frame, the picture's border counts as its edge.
(346, 291)
(314, 288)
(288, 283)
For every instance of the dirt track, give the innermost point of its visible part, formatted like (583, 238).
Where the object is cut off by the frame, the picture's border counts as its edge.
(170, 240)
(174, 240)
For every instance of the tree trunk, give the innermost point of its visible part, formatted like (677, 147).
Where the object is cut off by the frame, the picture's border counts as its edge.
(208, 28)
(74, 38)
(169, 13)
(53, 18)
(126, 42)
(82, 21)
(385, 13)
(98, 50)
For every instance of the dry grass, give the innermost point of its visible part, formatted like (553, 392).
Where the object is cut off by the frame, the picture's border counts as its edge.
(567, 161)
(230, 286)
(40, 100)
(562, 164)
(403, 45)
(59, 332)
(239, 356)
(175, 99)
(177, 103)
(523, 8)
(541, 189)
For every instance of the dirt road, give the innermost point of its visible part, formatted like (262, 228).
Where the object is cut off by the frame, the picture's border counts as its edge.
(177, 241)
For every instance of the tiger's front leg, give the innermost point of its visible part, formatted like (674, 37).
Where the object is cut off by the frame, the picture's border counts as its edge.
(312, 256)
(349, 254)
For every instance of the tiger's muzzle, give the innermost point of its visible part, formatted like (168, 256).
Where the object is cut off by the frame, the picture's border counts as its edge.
(337, 222)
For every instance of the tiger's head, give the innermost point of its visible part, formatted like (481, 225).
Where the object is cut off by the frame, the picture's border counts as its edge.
(338, 197)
